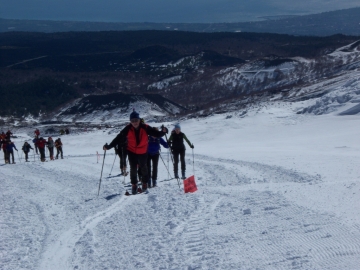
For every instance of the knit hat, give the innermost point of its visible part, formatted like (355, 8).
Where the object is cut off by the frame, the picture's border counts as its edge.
(177, 126)
(134, 115)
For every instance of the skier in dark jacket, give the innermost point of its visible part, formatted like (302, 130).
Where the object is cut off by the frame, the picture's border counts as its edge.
(177, 146)
(59, 150)
(136, 135)
(10, 146)
(26, 148)
(8, 135)
(153, 157)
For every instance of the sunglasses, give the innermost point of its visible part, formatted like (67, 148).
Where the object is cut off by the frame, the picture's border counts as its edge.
(134, 120)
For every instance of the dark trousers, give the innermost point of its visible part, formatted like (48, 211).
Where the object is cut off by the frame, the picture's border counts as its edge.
(59, 151)
(154, 159)
(5, 155)
(51, 151)
(42, 153)
(26, 155)
(12, 155)
(134, 161)
(176, 154)
(122, 155)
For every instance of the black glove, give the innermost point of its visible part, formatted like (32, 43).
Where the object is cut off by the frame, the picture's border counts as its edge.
(16, 149)
(192, 146)
(106, 147)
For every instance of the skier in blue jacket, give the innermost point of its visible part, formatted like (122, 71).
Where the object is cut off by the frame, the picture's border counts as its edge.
(9, 150)
(153, 157)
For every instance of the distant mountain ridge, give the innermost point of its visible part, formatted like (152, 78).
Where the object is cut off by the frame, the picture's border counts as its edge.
(41, 73)
(344, 21)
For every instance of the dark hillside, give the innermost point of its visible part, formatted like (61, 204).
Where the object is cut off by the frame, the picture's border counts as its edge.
(181, 66)
(16, 47)
(41, 95)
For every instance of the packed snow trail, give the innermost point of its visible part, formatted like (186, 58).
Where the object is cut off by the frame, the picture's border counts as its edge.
(280, 199)
(240, 218)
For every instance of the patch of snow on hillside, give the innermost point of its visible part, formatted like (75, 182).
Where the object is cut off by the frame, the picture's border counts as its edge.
(164, 83)
(341, 94)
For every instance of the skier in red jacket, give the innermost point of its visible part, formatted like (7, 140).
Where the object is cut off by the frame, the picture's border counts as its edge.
(40, 143)
(136, 136)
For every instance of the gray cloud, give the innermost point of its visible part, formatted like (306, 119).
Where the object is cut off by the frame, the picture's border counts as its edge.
(164, 11)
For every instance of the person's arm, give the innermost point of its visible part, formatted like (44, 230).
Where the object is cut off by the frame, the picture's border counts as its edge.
(170, 140)
(188, 142)
(119, 139)
(164, 143)
(155, 133)
(15, 147)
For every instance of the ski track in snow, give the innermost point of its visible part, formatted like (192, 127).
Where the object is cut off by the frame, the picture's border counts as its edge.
(234, 221)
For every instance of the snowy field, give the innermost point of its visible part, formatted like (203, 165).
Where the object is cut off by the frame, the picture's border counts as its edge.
(276, 190)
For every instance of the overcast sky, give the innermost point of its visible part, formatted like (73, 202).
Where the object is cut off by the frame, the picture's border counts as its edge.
(164, 10)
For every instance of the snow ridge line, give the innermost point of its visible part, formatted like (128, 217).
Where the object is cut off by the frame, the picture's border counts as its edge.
(274, 172)
(58, 254)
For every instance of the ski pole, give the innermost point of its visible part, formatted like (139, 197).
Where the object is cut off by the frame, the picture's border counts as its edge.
(18, 156)
(173, 162)
(124, 164)
(113, 164)
(168, 161)
(193, 161)
(101, 171)
(165, 165)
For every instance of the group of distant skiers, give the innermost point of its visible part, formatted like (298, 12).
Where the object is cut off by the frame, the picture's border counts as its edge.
(39, 143)
(137, 141)
(140, 143)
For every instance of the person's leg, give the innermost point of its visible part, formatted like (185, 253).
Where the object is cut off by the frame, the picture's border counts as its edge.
(133, 168)
(51, 153)
(57, 152)
(176, 161)
(26, 156)
(149, 170)
(12, 157)
(121, 163)
(61, 152)
(183, 165)
(125, 159)
(42, 154)
(155, 160)
(142, 161)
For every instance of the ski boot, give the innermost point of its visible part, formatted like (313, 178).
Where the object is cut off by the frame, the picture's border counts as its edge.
(154, 182)
(183, 175)
(176, 175)
(134, 189)
(144, 187)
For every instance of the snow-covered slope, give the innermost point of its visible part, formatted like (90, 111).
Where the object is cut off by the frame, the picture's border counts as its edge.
(276, 190)
(115, 108)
